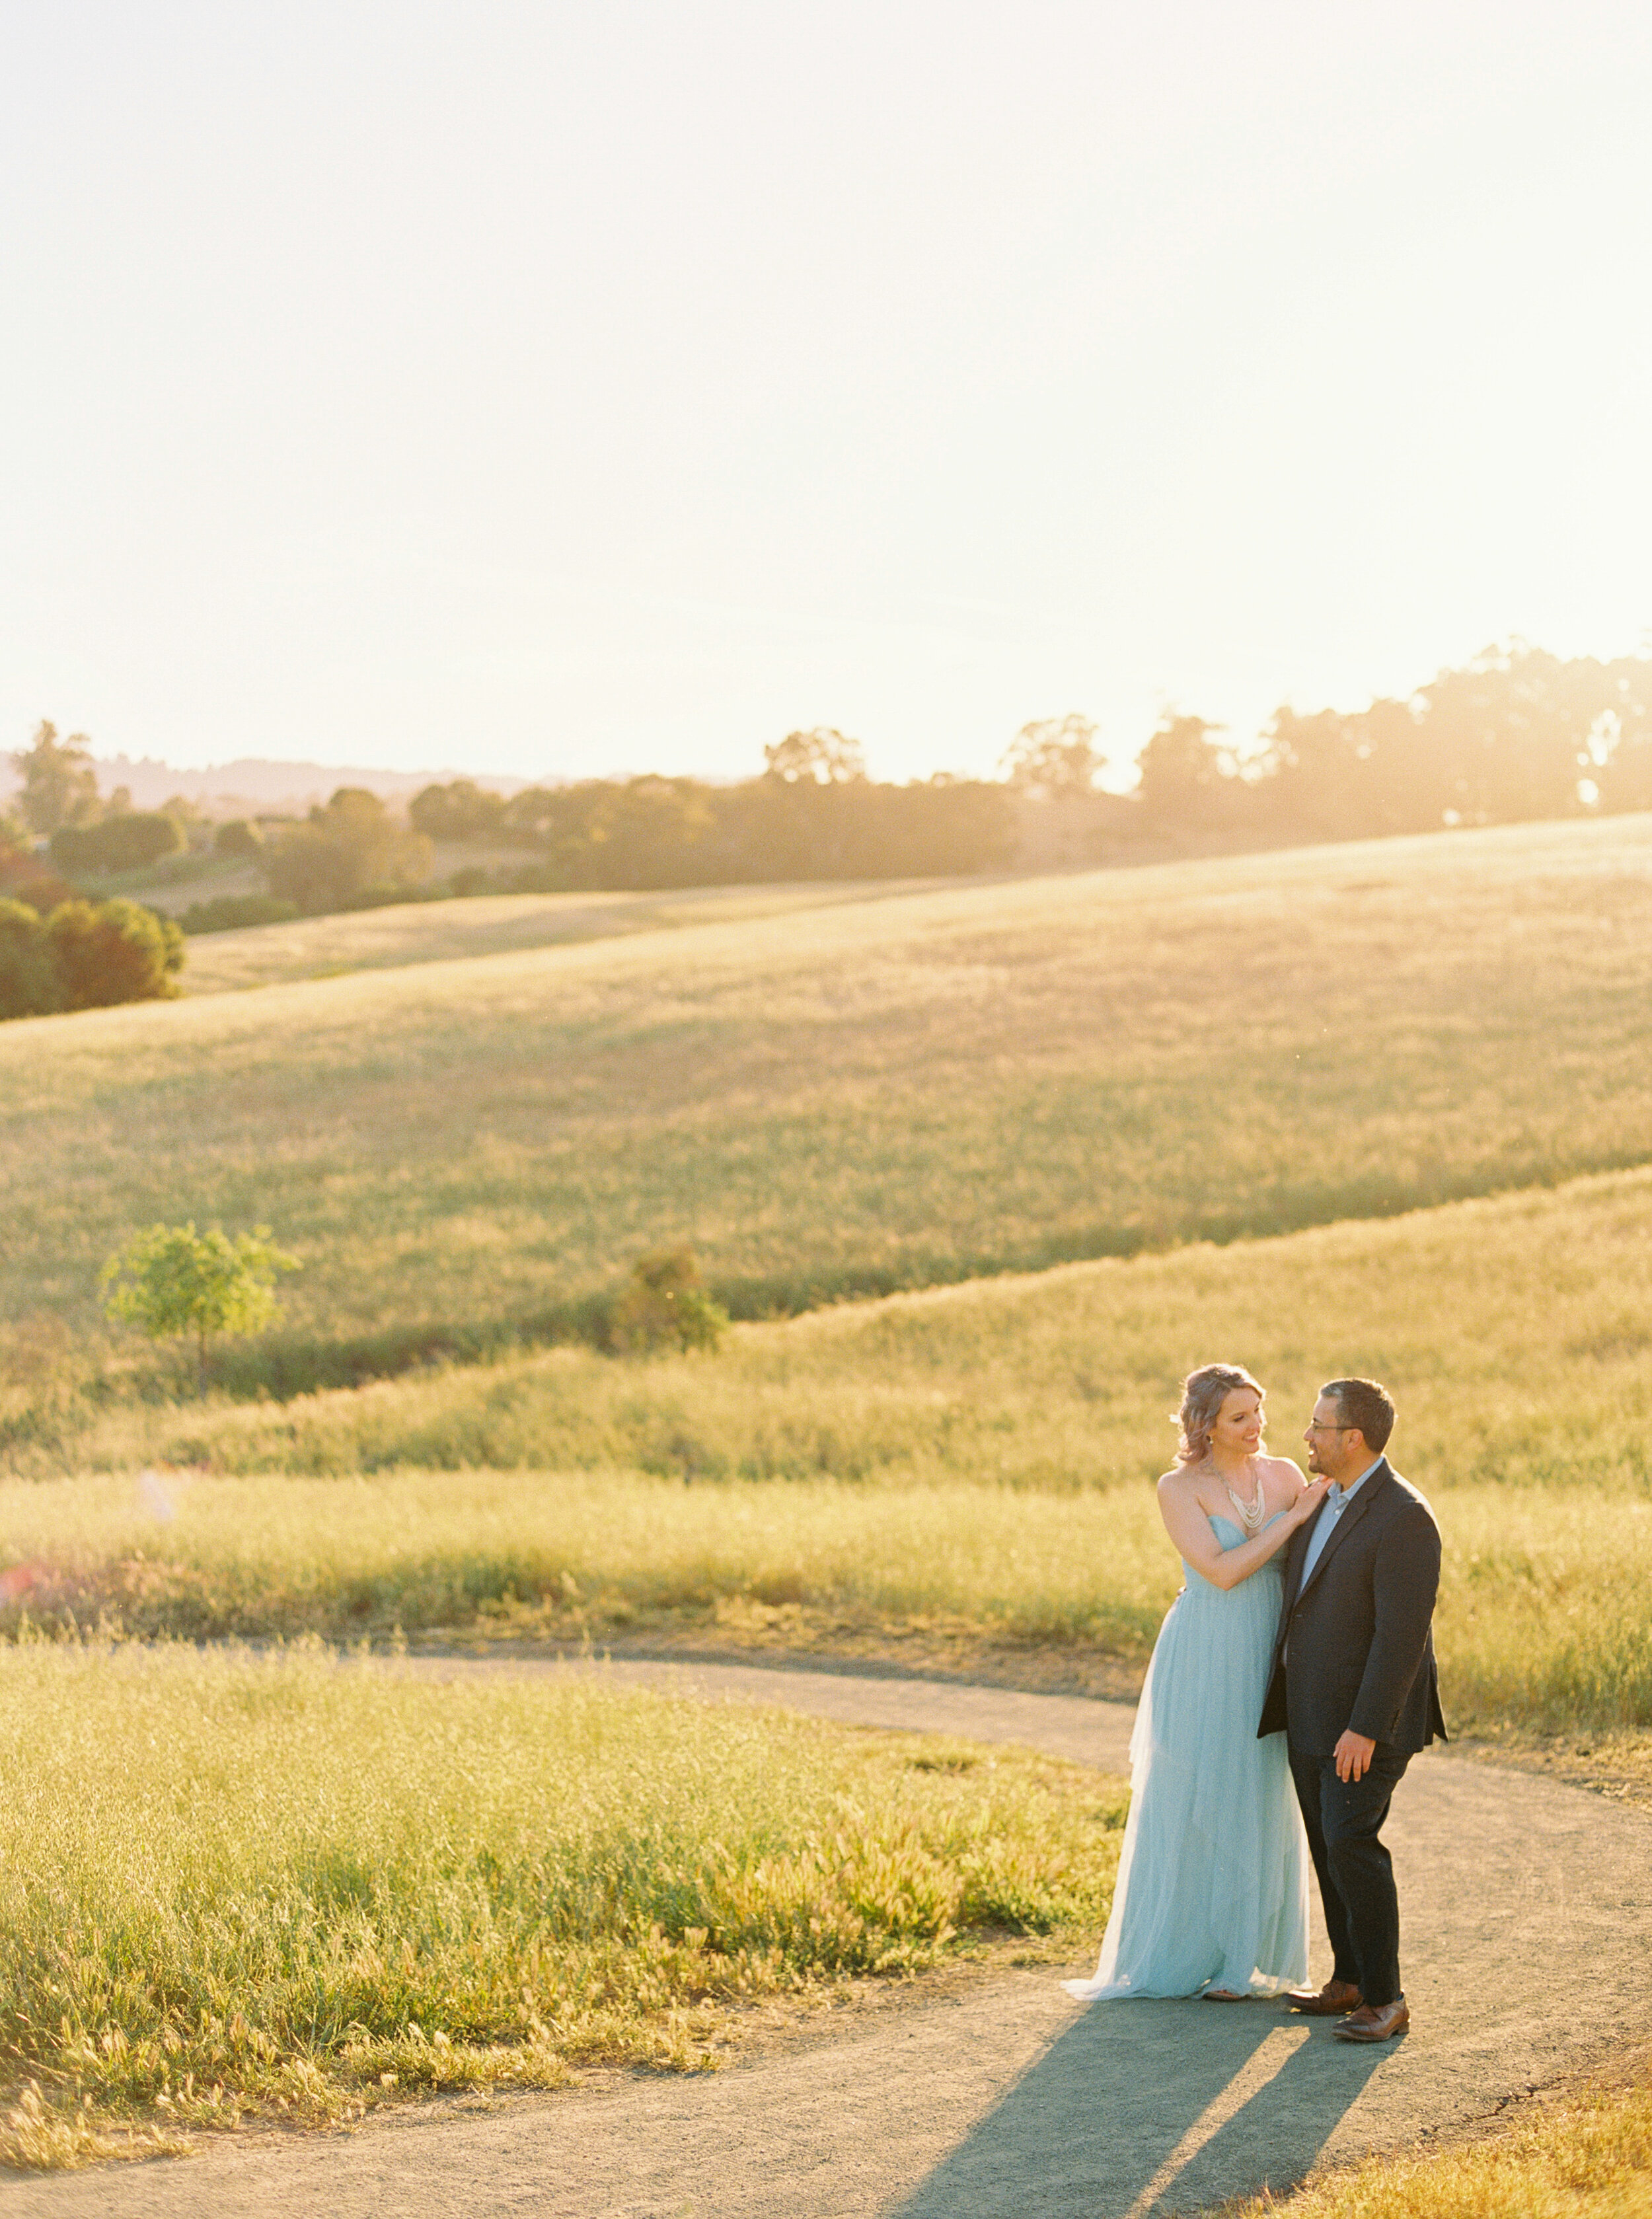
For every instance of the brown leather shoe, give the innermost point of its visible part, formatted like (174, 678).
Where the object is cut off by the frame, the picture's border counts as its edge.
(1374, 2022)
(1335, 2000)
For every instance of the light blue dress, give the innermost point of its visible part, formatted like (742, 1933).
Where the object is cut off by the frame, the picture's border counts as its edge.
(1213, 1880)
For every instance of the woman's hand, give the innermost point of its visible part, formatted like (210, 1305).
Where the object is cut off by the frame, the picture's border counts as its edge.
(1308, 1501)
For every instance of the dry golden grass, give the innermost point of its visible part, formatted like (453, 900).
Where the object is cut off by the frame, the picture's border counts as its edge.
(1589, 2157)
(884, 1093)
(483, 924)
(1516, 1332)
(961, 1471)
(288, 1884)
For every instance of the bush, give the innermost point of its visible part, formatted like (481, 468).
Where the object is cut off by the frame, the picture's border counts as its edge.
(85, 955)
(28, 982)
(112, 951)
(239, 835)
(128, 843)
(230, 912)
(665, 1302)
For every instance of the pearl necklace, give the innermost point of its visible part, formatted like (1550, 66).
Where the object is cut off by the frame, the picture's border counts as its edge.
(1252, 1515)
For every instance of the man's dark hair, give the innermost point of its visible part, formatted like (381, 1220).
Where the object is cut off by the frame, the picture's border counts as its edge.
(1361, 1402)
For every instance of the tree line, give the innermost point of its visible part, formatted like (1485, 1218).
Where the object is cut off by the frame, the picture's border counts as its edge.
(1515, 735)
(813, 814)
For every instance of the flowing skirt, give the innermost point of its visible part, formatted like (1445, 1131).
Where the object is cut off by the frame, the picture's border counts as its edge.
(1212, 1879)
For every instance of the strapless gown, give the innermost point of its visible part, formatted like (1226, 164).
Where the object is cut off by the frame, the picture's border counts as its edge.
(1212, 1879)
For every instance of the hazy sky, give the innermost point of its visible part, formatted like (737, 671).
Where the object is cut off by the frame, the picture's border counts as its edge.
(550, 388)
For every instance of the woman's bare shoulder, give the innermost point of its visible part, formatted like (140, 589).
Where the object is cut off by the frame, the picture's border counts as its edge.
(1286, 1468)
(1178, 1480)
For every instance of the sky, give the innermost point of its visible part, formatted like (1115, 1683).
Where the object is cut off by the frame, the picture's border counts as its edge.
(556, 390)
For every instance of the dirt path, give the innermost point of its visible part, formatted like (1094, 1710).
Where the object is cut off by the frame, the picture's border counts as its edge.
(1528, 1929)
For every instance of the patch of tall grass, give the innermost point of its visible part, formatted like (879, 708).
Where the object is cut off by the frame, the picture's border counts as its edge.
(1514, 1331)
(1542, 1624)
(856, 1099)
(288, 1883)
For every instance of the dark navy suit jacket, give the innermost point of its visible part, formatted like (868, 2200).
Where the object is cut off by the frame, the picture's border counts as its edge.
(1359, 1633)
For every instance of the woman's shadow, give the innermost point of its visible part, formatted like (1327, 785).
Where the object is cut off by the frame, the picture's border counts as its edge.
(1153, 2107)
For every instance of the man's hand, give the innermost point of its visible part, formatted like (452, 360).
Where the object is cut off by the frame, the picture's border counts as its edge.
(1353, 1755)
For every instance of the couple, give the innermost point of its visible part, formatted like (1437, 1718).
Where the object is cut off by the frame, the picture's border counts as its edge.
(1306, 1615)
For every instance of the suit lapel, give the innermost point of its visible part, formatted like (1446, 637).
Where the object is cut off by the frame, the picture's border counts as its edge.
(1344, 1526)
(1293, 1557)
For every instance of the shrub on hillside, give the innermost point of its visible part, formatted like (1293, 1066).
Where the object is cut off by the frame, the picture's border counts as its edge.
(231, 912)
(239, 835)
(665, 1303)
(342, 851)
(131, 842)
(112, 951)
(84, 955)
(27, 981)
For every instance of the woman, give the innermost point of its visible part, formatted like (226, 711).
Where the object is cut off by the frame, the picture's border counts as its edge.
(1212, 1894)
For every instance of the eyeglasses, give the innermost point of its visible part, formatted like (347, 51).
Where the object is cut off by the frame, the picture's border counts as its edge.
(1316, 1428)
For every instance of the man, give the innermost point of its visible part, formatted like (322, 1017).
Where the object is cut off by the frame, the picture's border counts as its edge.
(1354, 1689)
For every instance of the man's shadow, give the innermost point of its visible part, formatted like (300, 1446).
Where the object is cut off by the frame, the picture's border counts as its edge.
(1145, 2108)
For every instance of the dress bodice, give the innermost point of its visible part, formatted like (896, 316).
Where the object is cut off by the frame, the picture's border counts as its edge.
(1232, 1535)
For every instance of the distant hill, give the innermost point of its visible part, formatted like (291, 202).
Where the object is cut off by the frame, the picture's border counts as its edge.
(258, 783)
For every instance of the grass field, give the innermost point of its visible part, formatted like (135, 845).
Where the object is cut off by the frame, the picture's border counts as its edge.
(940, 1473)
(484, 924)
(881, 1093)
(286, 1884)
(1542, 1625)
(1516, 1332)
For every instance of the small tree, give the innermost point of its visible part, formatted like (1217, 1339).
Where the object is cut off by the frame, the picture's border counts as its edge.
(1054, 757)
(353, 843)
(171, 1279)
(820, 757)
(666, 1302)
(1185, 776)
(59, 784)
(239, 837)
(461, 809)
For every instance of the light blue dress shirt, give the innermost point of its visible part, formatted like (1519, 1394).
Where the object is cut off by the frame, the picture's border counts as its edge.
(1324, 1525)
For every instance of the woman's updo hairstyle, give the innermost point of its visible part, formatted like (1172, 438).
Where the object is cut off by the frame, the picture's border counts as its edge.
(1203, 1393)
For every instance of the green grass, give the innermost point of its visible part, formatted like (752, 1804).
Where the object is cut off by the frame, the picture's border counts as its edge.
(1542, 1625)
(879, 1094)
(285, 1884)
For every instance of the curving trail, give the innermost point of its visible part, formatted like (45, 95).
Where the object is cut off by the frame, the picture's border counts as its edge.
(1528, 1929)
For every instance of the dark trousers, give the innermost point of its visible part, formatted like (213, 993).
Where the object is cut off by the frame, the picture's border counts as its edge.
(1356, 1872)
